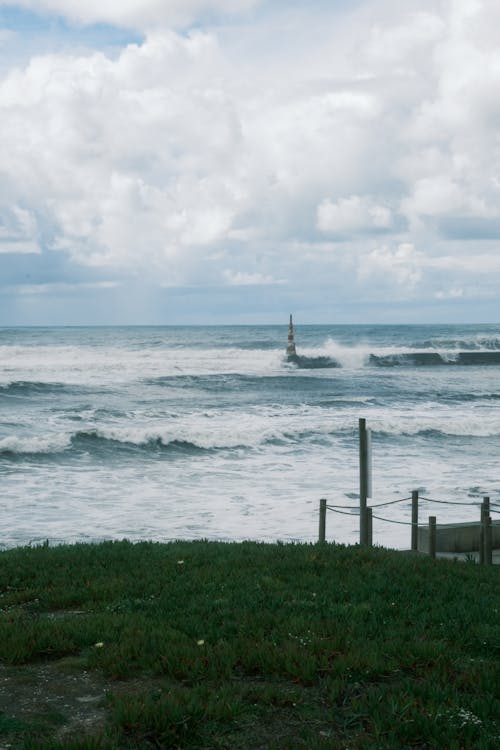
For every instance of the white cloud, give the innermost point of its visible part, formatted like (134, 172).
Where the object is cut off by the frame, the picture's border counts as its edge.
(132, 160)
(18, 231)
(352, 214)
(63, 287)
(18, 247)
(139, 14)
(401, 265)
(404, 41)
(241, 278)
(6, 36)
(452, 155)
(188, 155)
(472, 264)
(141, 161)
(402, 270)
(450, 294)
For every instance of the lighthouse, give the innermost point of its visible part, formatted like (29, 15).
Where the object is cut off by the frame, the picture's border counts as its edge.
(290, 349)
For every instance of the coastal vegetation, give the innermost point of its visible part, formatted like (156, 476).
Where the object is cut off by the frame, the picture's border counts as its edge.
(245, 645)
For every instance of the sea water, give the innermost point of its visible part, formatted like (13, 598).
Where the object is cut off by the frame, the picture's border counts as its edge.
(158, 433)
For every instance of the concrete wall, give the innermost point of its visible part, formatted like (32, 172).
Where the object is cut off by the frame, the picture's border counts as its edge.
(457, 537)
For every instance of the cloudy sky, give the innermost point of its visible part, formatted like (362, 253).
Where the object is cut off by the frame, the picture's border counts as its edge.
(191, 161)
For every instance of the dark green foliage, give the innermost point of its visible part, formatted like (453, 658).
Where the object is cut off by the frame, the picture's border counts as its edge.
(108, 742)
(10, 726)
(263, 646)
(13, 730)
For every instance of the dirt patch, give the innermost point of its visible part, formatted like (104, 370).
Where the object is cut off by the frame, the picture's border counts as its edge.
(56, 698)
(43, 694)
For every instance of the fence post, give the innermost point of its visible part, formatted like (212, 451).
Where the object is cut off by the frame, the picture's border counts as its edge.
(488, 554)
(485, 511)
(364, 479)
(369, 527)
(432, 536)
(414, 520)
(322, 520)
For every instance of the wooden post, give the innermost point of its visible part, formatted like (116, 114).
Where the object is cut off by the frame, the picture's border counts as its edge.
(432, 536)
(414, 520)
(481, 536)
(488, 553)
(369, 527)
(369, 493)
(322, 521)
(364, 480)
(485, 511)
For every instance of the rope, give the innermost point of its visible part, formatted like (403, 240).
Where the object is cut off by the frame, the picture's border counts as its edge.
(380, 518)
(343, 513)
(335, 508)
(390, 502)
(352, 507)
(405, 499)
(390, 520)
(446, 502)
(378, 505)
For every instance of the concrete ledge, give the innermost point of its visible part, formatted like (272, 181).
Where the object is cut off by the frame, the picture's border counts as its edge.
(468, 556)
(457, 537)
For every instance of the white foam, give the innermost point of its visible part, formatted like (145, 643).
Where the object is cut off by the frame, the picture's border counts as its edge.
(86, 365)
(227, 429)
(397, 422)
(353, 357)
(50, 443)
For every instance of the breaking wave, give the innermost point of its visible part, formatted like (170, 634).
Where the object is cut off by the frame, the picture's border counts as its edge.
(27, 388)
(333, 355)
(312, 430)
(312, 363)
(432, 359)
(42, 444)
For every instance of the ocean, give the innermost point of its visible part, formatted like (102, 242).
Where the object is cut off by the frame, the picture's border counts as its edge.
(160, 433)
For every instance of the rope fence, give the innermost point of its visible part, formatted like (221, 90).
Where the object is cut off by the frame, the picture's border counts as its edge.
(455, 537)
(406, 499)
(430, 530)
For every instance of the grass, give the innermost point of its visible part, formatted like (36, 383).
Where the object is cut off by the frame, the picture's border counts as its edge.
(208, 645)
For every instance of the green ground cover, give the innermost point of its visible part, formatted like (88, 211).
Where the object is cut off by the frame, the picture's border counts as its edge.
(210, 645)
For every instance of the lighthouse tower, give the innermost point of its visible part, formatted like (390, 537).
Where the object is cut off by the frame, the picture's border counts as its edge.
(290, 349)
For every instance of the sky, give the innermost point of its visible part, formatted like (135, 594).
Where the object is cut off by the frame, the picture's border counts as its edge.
(232, 161)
